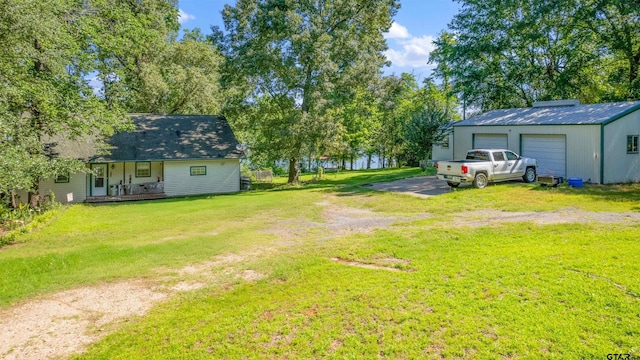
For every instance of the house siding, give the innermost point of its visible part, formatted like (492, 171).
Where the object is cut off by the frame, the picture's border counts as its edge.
(582, 141)
(75, 190)
(619, 166)
(223, 176)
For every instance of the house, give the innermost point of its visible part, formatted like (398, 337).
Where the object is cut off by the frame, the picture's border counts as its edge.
(598, 142)
(165, 156)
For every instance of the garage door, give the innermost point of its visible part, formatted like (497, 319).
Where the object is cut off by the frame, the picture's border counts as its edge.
(549, 150)
(489, 141)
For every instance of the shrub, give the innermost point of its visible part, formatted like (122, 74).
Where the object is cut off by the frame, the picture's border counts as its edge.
(15, 220)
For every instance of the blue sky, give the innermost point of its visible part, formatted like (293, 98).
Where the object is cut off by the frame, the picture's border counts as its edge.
(416, 25)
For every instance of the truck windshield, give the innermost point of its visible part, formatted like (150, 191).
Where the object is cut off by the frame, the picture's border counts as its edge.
(478, 155)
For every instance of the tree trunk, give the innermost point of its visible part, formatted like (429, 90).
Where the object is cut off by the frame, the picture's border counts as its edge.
(344, 163)
(294, 171)
(351, 162)
(369, 161)
(34, 199)
(634, 64)
(14, 200)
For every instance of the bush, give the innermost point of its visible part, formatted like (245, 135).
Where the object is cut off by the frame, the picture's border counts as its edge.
(280, 171)
(15, 220)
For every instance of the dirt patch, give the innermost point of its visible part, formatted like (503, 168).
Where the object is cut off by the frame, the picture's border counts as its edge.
(187, 286)
(420, 186)
(562, 216)
(181, 237)
(65, 323)
(343, 221)
(252, 275)
(338, 221)
(394, 261)
(364, 265)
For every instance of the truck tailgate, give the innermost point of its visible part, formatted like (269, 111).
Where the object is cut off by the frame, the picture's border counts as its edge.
(450, 168)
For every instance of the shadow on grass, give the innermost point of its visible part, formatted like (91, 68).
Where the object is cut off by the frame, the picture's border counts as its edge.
(614, 192)
(345, 179)
(343, 182)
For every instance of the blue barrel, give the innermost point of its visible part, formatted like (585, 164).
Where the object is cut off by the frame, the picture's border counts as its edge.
(575, 182)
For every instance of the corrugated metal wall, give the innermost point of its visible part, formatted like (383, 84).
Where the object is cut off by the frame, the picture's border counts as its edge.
(223, 176)
(619, 166)
(583, 144)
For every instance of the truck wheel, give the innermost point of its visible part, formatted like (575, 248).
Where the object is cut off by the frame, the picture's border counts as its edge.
(452, 184)
(480, 181)
(529, 175)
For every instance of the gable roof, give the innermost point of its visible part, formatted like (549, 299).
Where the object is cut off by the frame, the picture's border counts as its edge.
(594, 114)
(160, 137)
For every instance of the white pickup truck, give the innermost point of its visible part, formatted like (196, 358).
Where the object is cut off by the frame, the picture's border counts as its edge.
(482, 166)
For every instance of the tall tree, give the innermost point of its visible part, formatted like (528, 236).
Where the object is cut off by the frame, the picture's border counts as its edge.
(510, 54)
(50, 49)
(617, 23)
(126, 36)
(298, 61)
(362, 120)
(183, 79)
(422, 132)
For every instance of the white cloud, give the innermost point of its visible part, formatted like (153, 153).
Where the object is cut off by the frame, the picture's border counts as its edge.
(183, 17)
(397, 31)
(411, 51)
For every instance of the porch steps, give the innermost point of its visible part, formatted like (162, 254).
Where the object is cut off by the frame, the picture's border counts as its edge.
(135, 197)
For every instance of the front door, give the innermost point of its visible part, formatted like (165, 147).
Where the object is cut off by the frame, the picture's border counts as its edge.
(99, 180)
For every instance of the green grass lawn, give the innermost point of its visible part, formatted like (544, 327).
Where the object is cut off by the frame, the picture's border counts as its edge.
(442, 288)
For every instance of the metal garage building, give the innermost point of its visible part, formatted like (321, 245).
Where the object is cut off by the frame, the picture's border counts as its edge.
(598, 143)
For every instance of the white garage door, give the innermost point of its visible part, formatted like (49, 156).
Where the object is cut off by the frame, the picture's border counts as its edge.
(489, 141)
(549, 150)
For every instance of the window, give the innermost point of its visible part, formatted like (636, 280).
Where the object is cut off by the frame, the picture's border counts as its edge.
(632, 144)
(62, 178)
(498, 156)
(478, 155)
(143, 169)
(445, 143)
(511, 156)
(198, 170)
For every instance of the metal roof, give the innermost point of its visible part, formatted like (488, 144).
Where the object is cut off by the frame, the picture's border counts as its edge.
(158, 137)
(594, 114)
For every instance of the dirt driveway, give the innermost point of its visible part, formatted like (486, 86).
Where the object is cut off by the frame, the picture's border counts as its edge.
(422, 186)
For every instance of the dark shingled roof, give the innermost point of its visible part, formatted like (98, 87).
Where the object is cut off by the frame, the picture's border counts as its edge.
(160, 137)
(594, 114)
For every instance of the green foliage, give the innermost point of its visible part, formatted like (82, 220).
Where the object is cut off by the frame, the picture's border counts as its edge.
(290, 67)
(510, 54)
(617, 24)
(19, 220)
(183, 80)
(422, 132)
(50, 50)
(127, 38)
(410, 116)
